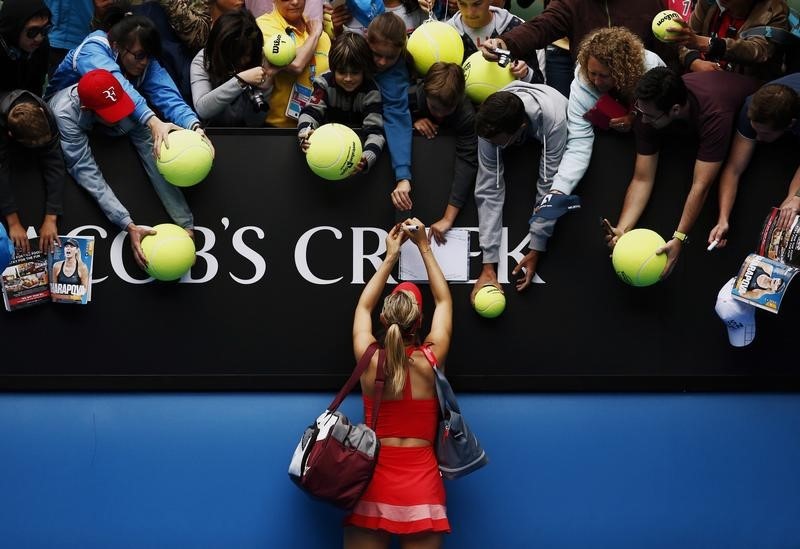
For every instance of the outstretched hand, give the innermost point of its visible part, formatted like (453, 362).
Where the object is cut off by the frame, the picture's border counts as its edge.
(673, 250)
(401, 195)
(487, 47)
(19, 238)
(136, 234)
(417, 235)
(719, 234)
(395, 239)
(159, 130)
(612, 234)
(519, 69)
(527, 268)
(789, 210)
(439, 230)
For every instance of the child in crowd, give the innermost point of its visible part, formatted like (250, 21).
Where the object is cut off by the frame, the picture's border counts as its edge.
(27, 123)
(347, 94)
(230, 84)
(440, 101)
(479, 20)
(386, 36)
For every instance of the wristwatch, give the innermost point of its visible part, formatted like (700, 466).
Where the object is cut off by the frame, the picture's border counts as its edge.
(683, 237)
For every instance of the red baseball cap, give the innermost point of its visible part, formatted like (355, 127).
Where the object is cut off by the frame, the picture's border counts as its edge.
(101, 93)
(414, 289)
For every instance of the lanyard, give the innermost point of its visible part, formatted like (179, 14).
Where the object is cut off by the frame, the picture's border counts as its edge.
(312, 65)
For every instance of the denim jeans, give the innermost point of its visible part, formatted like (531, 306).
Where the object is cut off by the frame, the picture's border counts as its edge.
(74, 126)
(559, 69)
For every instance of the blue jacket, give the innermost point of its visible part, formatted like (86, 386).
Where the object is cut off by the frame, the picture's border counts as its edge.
(154, 85)
(394, 83)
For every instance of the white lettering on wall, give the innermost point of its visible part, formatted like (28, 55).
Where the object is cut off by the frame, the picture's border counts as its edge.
(248, 253)
(301, 255)
(358, 254)
(212, 265)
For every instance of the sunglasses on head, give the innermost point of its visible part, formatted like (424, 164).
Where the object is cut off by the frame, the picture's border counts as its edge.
(33, 32)
(140, 56)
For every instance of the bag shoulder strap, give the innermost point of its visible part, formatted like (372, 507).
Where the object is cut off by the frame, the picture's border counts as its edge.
(779, 36)
(444, 392)
(361, 367)
(377, 391)
(426, 350)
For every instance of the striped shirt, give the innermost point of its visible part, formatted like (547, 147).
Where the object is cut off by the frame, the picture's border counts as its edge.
(362, 108)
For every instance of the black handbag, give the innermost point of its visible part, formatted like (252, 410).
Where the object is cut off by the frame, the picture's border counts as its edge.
(334, 460)
(457, 448)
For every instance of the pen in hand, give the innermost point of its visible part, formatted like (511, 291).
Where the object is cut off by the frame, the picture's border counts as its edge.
(411, 228)
(713, 244)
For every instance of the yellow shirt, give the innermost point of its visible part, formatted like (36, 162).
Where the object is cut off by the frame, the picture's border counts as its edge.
(272, 23)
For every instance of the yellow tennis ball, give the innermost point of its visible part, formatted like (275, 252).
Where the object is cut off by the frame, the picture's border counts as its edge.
(665, 24)
(169, 252)
(483, 77)
(327, 25)
(635, 260)
(489, 302)
(334, 151)
(279, 49)
(435, 41)
(188, 159)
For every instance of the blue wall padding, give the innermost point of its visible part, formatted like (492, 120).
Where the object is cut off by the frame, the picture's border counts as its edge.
(567, 471)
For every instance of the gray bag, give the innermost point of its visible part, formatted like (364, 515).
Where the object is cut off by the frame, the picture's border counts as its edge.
(457, 448)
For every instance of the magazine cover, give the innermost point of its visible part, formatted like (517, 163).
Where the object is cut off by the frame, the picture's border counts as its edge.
(25, 280)
(70, 268)
(781, 245)
(762, 282)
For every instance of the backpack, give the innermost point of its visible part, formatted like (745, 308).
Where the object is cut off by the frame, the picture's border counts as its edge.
(779, 36)
(789, 39)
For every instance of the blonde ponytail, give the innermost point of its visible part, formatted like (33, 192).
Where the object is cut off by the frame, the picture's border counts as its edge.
(395, 360)
(400, 314)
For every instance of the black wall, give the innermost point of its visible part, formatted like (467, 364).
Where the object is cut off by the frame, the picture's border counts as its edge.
(582, 330)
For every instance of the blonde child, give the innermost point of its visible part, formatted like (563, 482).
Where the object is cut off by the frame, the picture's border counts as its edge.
(386, 36)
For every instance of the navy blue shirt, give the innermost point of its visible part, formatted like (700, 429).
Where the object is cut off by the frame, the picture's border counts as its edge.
(746, 129)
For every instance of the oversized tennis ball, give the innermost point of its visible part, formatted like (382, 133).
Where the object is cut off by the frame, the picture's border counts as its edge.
(435, 41)
(188, 159)
(634, 257)
(169, 252)
(489, 302)
(279, 49)
(334, 151)
(483, 77)
(665, 24)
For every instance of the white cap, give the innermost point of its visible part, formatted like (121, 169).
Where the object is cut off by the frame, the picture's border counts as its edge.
(739, 317)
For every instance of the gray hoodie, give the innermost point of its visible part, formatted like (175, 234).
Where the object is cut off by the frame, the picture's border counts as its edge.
(546, 110)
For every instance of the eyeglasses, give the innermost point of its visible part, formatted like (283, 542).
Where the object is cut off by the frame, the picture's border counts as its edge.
(33, 32)
(638, 110)
(139, 56)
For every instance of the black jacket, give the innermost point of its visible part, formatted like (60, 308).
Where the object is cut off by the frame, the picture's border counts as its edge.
(18, 69)
(462, 124)
(49, 157)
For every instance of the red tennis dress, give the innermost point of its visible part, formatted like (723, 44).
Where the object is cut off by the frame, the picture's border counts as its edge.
(406, 494)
